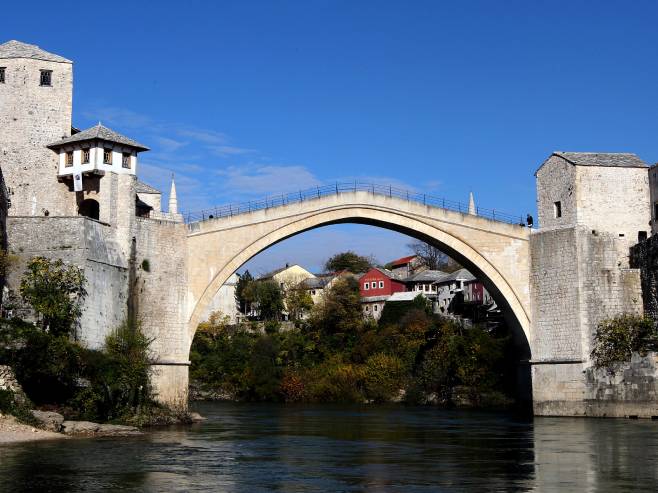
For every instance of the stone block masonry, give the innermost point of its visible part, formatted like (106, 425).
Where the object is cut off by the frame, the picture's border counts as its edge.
(87, 244)
(576, 282)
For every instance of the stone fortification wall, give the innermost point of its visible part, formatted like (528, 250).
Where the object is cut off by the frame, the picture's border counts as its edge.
(576, 281)
(31, 117)
(160, 297)
(555, 296)
(627, 390)
(87, 244)
(556, 183)
(614, 200)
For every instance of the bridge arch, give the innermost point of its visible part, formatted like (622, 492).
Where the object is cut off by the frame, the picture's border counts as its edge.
(487, 248)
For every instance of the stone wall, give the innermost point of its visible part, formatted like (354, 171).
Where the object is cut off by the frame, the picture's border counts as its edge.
(87, 244)
(576, 281)
(160, 296)
(614, 200)
(31, 117)
(627, 390)
(556, 180)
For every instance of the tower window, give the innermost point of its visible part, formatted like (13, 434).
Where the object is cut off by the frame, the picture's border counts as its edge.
(2, 75)
(46, 78)
(126, 160)
(69, 158)
(107, 156)
(557, 209)
(85, 156)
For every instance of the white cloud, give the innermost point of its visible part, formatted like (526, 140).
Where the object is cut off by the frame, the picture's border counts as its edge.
(262, 180)
(165, 144)
(224, 151)
(205, 136)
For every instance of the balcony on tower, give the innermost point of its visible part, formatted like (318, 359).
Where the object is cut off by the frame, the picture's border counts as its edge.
(96, 151)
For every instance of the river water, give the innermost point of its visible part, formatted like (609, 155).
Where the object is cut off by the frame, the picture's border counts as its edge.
(260, 448)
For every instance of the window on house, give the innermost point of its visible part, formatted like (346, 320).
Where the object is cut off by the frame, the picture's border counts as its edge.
(107, 156)
(125, 162)
(46, 78)
(381, 284)
(85, 156)
(69, 158)
(367, 308)
(557, 209)
(366, 286)
(375, 308)
(2, 75)
(312, 292)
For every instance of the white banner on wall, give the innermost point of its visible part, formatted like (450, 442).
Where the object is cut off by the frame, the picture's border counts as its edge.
(77, 182)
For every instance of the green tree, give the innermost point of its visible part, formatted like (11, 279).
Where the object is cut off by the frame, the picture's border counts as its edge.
(349, 261)
(244, 292)
(269, 299)
(338, 318)
(298, 301)
(55, 291)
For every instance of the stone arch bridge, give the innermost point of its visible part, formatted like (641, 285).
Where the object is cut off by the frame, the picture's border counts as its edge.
(494, 246)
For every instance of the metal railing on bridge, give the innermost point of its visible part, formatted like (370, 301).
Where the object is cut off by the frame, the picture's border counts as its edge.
(345, 187)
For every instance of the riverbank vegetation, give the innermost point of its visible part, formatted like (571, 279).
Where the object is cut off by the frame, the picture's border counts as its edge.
(335, 355)
(57, 372)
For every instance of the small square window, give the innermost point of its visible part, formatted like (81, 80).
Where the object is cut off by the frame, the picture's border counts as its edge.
(85, 156)
(557, 209)
(69, 159)
(46, 78)
(381, 284)
(107, 156)
(125, 160)
(2, 75)
(366, 286)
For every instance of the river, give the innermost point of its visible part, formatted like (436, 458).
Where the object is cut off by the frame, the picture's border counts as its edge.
(264, 447)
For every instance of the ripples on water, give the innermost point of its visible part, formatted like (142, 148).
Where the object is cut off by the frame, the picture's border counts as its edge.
(258, 448)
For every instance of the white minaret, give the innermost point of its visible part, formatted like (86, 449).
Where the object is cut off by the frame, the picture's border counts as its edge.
(173, 200)
(471, 204)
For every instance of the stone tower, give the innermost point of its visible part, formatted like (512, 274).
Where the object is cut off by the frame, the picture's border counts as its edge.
(36, 91)
(592, 208)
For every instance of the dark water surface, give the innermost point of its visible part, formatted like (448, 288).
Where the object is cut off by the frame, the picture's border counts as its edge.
(258, 448)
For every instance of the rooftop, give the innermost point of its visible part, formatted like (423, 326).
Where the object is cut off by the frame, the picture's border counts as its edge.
(18, 49)
(405, 296)
(606, 159)
(402, 261)
(141, 187)
(461, 274)
(99, 132)
(426, 275)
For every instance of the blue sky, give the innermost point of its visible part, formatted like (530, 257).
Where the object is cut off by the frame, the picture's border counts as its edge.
(247, 98)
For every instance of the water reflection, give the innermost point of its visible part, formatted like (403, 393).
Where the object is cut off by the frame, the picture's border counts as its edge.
(254, 448)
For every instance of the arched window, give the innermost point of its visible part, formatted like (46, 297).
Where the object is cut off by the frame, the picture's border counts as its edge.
(89, 208)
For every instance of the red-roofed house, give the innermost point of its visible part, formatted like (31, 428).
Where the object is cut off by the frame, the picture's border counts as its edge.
(405, 266)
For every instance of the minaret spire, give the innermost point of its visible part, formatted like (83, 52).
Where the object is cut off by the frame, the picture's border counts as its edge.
(471, 204)
(173, 200)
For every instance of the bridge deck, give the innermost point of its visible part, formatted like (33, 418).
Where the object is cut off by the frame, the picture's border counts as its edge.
(346, 187)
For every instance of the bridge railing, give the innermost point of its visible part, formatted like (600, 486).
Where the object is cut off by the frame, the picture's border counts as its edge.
(344, 187)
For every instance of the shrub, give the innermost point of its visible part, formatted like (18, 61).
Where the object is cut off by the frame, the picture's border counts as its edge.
(616, 339)
(119, 375)
(9, 404)
(54, 290)
(384, 377)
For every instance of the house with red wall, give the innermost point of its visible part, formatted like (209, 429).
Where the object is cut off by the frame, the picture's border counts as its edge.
(375, 287)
